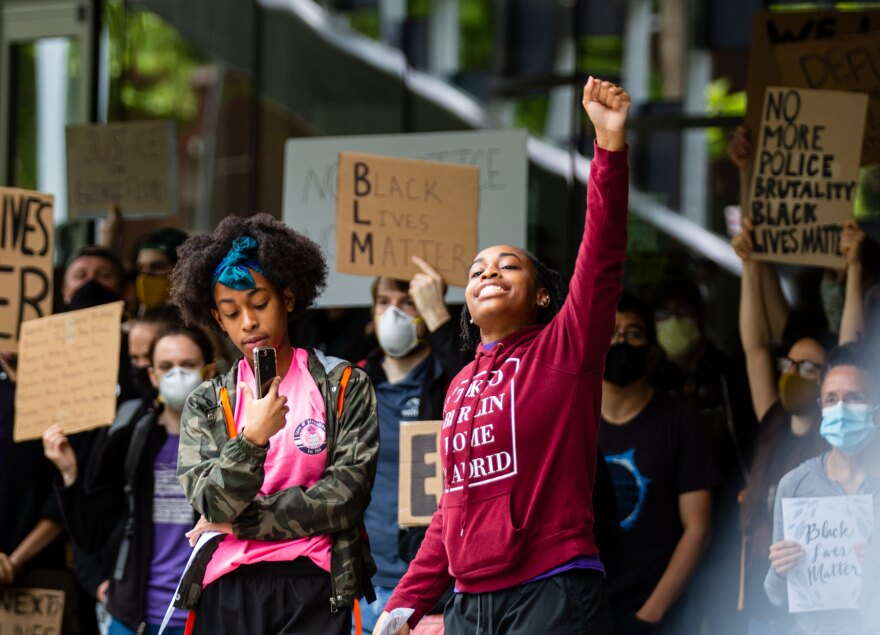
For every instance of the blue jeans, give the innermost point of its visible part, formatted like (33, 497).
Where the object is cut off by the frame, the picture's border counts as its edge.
(370, 612)
(118, 628)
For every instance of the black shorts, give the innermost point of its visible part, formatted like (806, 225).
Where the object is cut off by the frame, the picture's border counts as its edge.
(271, 598)
(572, 602)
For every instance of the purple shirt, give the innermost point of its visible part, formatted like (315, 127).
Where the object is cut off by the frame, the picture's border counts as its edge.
(172, 518)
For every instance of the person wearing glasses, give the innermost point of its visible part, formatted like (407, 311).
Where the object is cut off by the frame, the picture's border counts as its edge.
(663, 473)
(785, 394)
(850, 393)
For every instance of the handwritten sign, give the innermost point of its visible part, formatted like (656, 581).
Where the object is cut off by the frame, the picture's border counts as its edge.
(27, 231)
(421, 473)
(850, 63)
(31, 611)
(68, 367)
(804, 182)
(131, 164)
(389, 210)
(774, 28)
(829, 528)
(311, 179)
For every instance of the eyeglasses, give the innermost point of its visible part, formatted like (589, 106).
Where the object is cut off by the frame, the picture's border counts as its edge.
(681, 310)
(805, 368)
(634, 336)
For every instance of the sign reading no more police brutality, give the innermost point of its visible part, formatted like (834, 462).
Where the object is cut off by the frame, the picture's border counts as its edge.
(804, 178)
(310, 182)
(27, 232)
(132, 164)
(390, 209)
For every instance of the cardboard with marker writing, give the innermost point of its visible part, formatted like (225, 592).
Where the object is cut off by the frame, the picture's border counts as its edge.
(391, 209)
(68, 368)
(850, 63)
(28, 611)
(774, 28)
(132, 164)
(805, 174)
(421, 473)
(27, 234)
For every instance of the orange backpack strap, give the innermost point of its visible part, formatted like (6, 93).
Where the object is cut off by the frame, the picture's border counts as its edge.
(346, 374)
(227, 413)
(358, 624)
(190, 621)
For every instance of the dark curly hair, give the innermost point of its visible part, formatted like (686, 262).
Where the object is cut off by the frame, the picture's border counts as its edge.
(545, 277)
(288, 258)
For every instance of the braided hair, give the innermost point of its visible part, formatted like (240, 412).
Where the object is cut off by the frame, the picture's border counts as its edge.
(545, 277)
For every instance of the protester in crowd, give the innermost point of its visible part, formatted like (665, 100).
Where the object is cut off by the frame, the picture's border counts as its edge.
(663, 473)
(419, 353)
(288, 476)
(89, 266)
(32, 545)
(133, 477)
(155, 260)
(514, 527)
(789, 422)
(849, 401)
(141, 335)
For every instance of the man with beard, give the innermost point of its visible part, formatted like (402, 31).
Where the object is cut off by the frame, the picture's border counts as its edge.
(663, 473)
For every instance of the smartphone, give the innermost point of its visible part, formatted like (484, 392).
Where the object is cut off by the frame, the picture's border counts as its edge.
(264, 368)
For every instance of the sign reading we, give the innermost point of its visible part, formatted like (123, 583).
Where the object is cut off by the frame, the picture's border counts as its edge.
(27, 231)
(804, 182)
(389, 210)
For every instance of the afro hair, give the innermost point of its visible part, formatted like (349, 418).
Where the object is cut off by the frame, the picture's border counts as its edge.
(289, 260)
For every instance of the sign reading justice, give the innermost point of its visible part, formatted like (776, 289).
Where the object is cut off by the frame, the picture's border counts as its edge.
(806, 167)
(389, 210)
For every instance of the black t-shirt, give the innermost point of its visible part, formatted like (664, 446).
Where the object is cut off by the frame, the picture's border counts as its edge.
(657, 456)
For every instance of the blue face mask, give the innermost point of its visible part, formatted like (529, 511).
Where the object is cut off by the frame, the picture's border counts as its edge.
(848, 427)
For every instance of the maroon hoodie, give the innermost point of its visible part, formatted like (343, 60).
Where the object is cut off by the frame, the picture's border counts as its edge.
(519, 435)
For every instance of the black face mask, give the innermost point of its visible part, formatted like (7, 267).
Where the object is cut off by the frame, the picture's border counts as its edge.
(91, 294)
(625, 364)
(140, 377)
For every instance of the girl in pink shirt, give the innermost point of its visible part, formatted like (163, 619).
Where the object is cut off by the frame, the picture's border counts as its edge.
(286, 477)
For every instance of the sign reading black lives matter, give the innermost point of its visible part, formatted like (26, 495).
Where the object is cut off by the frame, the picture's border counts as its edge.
(26, 242)
(389, 210)
(805, 173)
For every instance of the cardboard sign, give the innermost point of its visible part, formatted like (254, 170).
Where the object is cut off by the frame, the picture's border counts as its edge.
(68, 367)
(131, 164)
(773, 28)
(804, 180)
(421, 473)
(311, 178)
(31, 611)
(851, 63)
(829, 575)
(389, 210)
(27, 230)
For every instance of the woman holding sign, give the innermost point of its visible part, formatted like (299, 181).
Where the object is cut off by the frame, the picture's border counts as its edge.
(287, 475)
(850, 402)
(514, 531)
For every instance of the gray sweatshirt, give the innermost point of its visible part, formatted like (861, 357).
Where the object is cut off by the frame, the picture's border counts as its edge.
(810, 480)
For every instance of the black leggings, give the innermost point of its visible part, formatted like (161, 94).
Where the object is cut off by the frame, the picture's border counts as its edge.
(271, 598)
(573, 602)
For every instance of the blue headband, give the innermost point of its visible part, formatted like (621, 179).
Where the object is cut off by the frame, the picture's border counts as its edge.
(233, 271)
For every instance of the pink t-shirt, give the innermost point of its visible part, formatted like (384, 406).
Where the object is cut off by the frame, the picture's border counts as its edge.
(297, 457)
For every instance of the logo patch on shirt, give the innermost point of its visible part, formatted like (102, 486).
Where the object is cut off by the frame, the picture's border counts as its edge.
(310, 436)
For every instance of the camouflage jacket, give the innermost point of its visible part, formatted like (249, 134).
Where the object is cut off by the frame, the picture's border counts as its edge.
(222, 477)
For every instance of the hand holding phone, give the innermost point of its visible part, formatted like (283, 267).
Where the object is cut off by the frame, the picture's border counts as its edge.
(265, 369)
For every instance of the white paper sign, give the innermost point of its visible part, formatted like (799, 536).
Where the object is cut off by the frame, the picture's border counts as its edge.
(310, 180)
(829, 576)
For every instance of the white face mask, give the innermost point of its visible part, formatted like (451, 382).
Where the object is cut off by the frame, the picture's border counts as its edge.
(176, 385)
(396, 332)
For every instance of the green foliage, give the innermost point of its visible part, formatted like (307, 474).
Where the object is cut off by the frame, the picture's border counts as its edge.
(151, 66)
(601, 55)
(366, 22)
(531, 113)
(477, 28)
(25, 156)
(721, 102)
